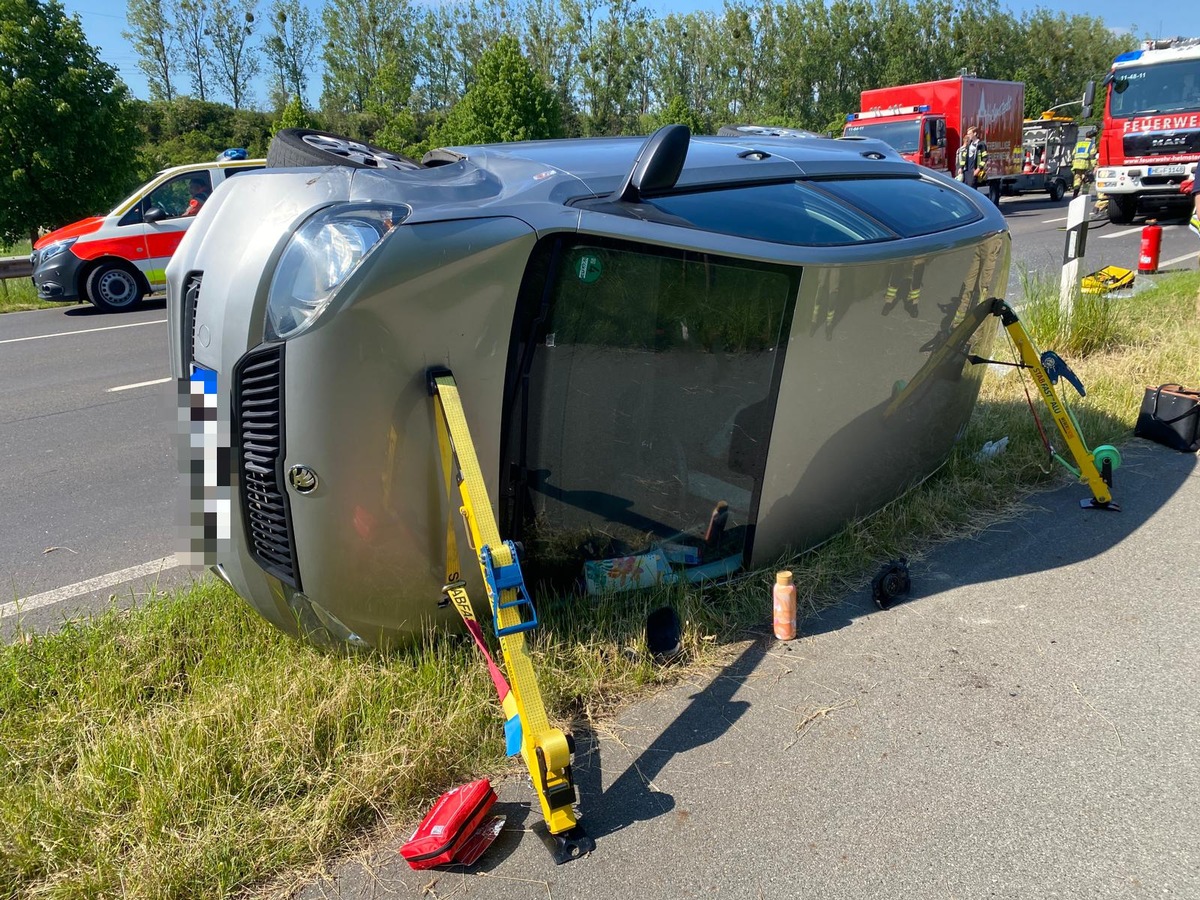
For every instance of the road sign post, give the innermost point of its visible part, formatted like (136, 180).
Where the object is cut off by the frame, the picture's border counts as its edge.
(1078, 213)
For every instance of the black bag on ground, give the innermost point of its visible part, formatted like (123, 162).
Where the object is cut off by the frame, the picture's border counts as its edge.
(1170, 416)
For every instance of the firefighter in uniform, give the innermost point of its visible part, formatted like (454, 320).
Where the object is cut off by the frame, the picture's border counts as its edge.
(972, 163)
(1083, 160)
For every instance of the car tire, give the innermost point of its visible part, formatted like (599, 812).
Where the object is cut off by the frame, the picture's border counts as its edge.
(1121, 209)
(112, 287)
(994, 188)
(302, 147)
(1058, 189)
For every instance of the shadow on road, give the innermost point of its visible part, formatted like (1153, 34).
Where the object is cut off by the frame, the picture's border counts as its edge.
(1147, 479)
(86, 310)
(634, 797)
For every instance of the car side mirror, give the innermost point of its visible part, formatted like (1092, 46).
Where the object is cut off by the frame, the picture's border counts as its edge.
(1089, 98)
(154, 214)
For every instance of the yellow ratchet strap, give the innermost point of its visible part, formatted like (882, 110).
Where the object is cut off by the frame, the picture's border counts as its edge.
(545, 749)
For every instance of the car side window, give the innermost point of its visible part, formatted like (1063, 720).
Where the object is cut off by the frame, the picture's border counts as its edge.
(790, 213)
(624, 444)
(182, 195)
(910, 206)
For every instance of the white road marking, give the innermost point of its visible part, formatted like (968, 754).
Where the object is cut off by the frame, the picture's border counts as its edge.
(58, 595)
(1052, 221)
(39, 337)
(1126, 232)
(1179, 259)
(130, 387)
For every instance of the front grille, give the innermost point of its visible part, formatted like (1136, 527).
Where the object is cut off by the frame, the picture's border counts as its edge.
(258, 407)
(191, 297)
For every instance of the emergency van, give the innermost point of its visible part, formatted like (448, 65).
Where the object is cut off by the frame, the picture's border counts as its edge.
(114, 260)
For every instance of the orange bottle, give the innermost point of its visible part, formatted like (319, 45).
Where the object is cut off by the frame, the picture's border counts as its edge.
(784, 596)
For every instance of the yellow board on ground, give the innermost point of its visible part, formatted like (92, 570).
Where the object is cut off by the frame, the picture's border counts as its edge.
(1110, 278)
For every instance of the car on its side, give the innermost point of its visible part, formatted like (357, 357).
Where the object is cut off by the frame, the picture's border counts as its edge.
(716, 350)
(114, 260)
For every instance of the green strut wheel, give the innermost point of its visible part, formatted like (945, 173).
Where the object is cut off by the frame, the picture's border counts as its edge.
(1106, 453)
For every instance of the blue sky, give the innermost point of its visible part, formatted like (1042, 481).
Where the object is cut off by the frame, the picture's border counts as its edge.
(104, 20)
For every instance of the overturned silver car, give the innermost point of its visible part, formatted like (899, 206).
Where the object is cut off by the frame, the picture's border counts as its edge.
(713, 349)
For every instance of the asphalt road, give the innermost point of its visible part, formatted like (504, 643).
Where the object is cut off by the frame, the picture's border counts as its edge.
(1039, 236)
(87, 462)
(87, 465)
(1023, 725)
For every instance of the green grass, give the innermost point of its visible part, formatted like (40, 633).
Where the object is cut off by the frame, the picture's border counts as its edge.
(186, 749)
(18, 294)
(20, 248)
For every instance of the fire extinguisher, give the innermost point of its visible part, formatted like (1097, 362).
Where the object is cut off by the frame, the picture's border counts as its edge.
(1151, 247)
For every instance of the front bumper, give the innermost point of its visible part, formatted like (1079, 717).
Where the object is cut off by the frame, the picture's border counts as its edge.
(1161, 182)
(58, 279)
(361, 555)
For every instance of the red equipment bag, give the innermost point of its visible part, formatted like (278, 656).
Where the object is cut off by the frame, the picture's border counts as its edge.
(441, 835)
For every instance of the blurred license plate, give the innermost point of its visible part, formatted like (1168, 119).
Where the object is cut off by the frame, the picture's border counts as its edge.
(1167, 170)
(205, 466)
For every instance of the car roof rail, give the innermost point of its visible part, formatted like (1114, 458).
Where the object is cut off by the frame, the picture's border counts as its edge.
(658, 164)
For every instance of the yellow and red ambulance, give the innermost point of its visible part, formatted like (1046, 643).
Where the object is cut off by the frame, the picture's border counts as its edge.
(113, 261)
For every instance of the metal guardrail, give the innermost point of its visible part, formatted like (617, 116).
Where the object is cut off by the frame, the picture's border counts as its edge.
(15, 267)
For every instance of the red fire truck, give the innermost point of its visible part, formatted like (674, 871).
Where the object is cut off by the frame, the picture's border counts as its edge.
(1150, 141)
(926, 122)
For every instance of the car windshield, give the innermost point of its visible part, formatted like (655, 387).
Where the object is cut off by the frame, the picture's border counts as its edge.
(904, 136)
(136, 195)
(1160, 88)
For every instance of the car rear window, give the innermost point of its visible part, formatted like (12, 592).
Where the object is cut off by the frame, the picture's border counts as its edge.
(789, 213)
(909, 206)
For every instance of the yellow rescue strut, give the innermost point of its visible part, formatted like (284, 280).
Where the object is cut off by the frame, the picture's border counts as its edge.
(1094, 467)
(545, 749)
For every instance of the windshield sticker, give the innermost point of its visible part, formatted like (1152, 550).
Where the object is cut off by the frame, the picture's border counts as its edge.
(588, 268)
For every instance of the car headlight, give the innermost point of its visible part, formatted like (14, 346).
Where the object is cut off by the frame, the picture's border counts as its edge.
(318, 259)
(52, 250)
(1107, 173)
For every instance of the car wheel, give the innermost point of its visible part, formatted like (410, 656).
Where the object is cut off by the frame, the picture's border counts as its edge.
(1058, 189)
(994, 191)
(1121, 209)
(299, 147)
(114, 288)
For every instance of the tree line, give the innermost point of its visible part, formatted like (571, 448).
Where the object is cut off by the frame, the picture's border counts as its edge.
(410, 77)
(397, 67)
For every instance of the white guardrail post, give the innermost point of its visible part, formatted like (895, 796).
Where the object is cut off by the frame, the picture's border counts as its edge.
(1078, 213)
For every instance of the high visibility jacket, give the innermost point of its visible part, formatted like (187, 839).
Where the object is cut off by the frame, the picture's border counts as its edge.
(1084, 156)
(981, 156)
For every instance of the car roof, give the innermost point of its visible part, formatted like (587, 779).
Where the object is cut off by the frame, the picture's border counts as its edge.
(603, 163)
(541, 180)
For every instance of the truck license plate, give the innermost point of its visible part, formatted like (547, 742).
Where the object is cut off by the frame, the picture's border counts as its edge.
(1166, 170)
